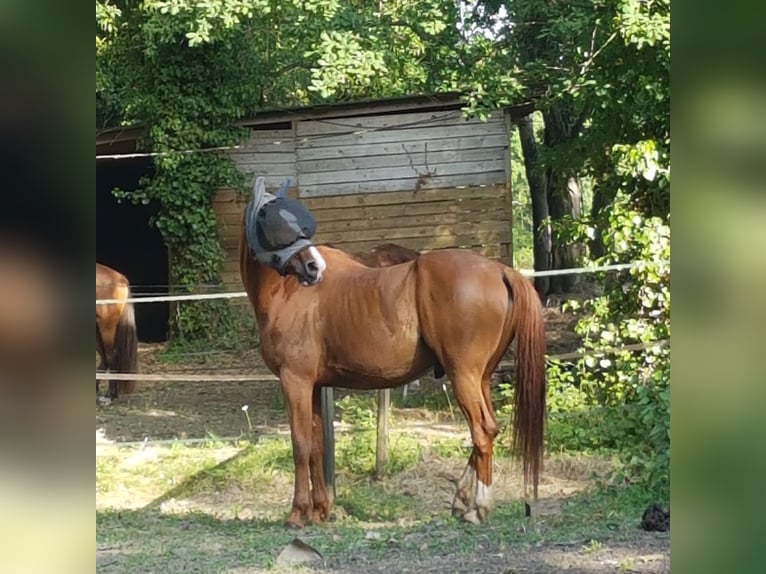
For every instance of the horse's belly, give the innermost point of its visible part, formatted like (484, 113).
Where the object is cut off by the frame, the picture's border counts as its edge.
(381, 363)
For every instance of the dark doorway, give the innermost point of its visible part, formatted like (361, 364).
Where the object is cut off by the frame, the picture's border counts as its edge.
(126, 242)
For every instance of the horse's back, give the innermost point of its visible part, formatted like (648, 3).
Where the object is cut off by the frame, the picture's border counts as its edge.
(458, 269)
(110, 284)
(108, 276)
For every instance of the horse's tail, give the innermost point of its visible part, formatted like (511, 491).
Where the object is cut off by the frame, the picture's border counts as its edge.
(529, 396)
(126, 348)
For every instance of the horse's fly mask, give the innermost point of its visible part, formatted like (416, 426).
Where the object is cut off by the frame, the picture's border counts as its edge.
(276, 227)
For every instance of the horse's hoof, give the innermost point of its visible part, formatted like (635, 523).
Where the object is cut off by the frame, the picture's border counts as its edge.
(459, 506)
(472, 516)
(318, 517)
(293, 525)
(103, 401)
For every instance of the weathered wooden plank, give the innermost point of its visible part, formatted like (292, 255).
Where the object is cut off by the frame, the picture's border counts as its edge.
(286, 147)
(258, 138)
(461, 193)
(273, 182)
(229, 206)
(425, 221)
(416, 159)
(229, 212)
(399, 121)
(223, 195)
(477, 230)
(390, 173)
(381, 445)
(272, 171)
(269, 134)
(246, 157)
(426, 243)
(229, 209)
(498, 250)
(229, 215)
(376, 149)
(388, 227)
(229, 236)
(229, 241)
(423, 133)
(399, 197)
(405, 184)
(391, 211)
(490, 250)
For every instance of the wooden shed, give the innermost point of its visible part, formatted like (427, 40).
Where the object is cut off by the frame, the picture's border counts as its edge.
(408, 170)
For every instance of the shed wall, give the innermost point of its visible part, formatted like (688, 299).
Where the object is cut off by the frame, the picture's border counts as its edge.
(423, 179)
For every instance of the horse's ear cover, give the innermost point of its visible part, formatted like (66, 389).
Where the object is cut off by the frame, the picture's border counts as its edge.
(276, 227)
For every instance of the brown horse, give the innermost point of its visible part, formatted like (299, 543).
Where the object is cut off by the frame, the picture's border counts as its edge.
(327, 320)
(116, 340)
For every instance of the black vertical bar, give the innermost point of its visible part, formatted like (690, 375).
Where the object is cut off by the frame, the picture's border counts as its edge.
(328, 458)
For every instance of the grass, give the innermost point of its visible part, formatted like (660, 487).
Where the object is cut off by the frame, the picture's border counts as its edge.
(216, 507)
(197, 542)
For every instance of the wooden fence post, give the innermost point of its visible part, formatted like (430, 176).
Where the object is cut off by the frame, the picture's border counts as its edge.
(381, 449)
(328, 435)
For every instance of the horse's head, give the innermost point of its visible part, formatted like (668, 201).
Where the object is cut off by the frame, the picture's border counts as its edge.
(278, 231)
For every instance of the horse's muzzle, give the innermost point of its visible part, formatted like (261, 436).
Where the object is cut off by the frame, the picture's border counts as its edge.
(311, 274)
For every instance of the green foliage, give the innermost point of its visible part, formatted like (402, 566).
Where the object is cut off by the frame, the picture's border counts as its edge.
(619, 402)
(358, 410)
(523, 237)
(174, 67)
(603, 68)
(345, 64)
(602, 73)
(188, 69)
(634, 309)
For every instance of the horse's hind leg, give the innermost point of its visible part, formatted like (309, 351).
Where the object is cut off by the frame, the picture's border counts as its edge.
(105, 345)
(473, 497)
(320, 498)
(101, 356)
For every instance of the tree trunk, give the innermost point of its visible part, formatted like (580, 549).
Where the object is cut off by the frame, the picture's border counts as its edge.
(540, 224)
(603, 196)
(564, 196)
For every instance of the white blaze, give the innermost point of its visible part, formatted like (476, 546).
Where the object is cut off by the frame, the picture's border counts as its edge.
(321, 263)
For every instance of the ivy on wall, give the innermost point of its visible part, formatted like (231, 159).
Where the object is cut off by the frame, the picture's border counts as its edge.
(188, 94)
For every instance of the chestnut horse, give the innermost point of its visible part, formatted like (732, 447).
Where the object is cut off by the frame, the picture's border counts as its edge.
(116, 340)
(327, 320)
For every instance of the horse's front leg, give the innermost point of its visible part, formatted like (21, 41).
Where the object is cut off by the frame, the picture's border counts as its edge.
(321, 499)
(297, 393)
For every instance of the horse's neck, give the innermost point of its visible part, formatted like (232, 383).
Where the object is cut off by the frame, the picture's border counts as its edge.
(263, 286)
